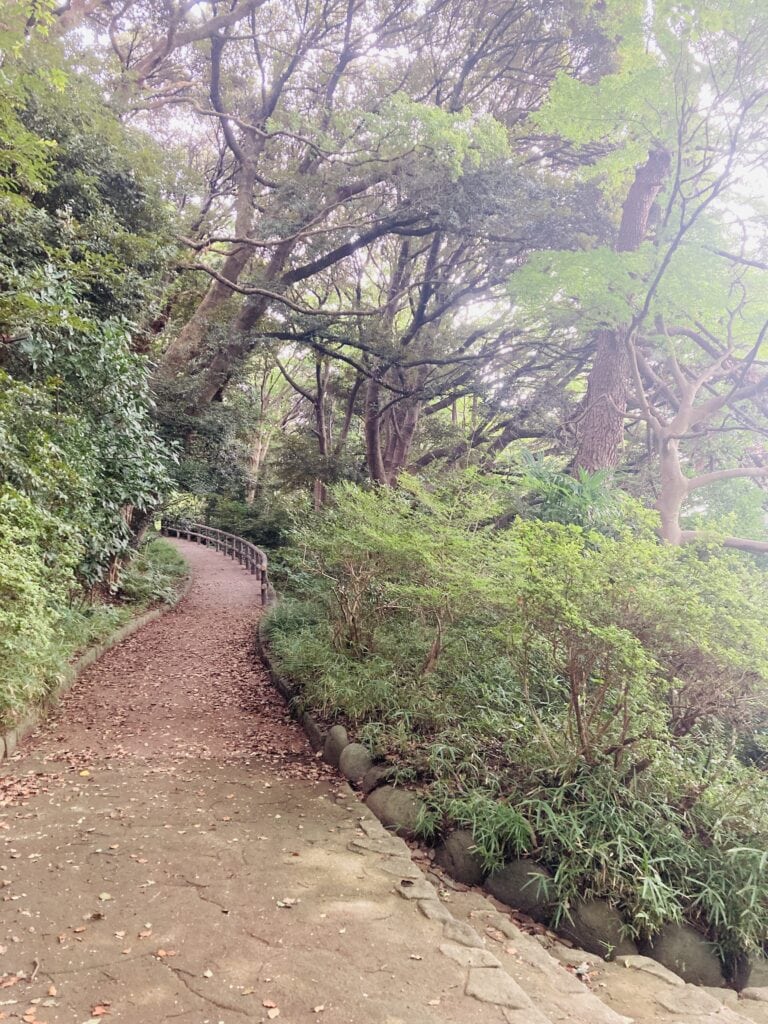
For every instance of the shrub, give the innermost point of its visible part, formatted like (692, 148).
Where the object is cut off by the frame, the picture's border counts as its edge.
(44, 618)
(153, 575)
(576, 695)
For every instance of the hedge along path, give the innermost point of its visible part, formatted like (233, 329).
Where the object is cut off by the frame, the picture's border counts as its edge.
(173, 850)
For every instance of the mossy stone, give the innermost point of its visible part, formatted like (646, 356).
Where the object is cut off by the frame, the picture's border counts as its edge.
(521, 884)
(397, 809)
(456, 856)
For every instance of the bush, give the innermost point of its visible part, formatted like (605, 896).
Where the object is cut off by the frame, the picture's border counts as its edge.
(44, 618)
(37, 559)
(574, 695)
(153, 575)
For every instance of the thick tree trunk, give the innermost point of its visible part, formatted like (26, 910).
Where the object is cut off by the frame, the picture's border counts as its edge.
(600, 424)
(372, 424)
(402, 431)
(600, 429)
(258, 451)
(188, 346)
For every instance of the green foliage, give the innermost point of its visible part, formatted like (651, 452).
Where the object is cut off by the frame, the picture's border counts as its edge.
(82, 242)
(37, 558)
(265, 522)
(153, 574)
(572, 694)
(80, 246)
(44, 619)
(458, 141)
(586, 499)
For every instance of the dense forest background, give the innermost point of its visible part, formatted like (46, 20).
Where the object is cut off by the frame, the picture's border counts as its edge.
(461, 311)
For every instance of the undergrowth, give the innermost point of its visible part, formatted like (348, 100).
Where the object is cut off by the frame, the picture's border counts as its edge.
(46, 619)
(579, 697)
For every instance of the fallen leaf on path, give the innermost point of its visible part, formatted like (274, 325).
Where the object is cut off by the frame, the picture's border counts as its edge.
(269, 1004)
(495, 934)
(100, 1009)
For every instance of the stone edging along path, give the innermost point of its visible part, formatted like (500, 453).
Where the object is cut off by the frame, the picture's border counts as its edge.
(596, 927)
(557, 992)
(10, 738)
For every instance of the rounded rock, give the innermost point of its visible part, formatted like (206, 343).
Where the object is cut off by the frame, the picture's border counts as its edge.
(314, 732)
(355, 761)
(522, 884)
(376, 777)
(457, 856)
(397, 809)
(335, 742)
(596, 926)
(686, 952)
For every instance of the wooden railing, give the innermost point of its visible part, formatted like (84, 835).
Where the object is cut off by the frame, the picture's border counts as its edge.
(247, 554)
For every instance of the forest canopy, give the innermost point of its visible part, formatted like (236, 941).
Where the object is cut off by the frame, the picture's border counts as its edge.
(460, 310)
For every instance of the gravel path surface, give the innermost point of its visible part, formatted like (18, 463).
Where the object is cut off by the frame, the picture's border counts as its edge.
(171, 850)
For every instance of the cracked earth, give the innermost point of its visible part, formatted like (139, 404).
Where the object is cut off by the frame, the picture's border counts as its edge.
(171, 850)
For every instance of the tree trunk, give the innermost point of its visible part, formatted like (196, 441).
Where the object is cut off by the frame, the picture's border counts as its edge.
(403, 429)
(600, 429)
(600, 423)
(187, 347)
(372, 423)
(320, 490)
(673, 491)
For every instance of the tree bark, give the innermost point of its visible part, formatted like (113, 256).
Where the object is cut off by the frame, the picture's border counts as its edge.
(600, 424)
(372, 424)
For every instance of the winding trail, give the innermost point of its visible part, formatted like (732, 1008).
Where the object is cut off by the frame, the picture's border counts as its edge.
(171, 850)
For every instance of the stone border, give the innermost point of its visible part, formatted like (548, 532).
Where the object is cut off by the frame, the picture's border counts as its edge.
(485, 977)
(398, 810)
(288, 690)
(11, 738)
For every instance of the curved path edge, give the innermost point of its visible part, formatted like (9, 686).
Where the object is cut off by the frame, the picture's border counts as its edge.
(34, 716)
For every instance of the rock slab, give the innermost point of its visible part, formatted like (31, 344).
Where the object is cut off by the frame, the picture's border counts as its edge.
(335, 742)
(354, 762)
(397, 809)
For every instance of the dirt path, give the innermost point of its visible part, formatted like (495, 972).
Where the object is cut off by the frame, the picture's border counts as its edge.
(187, 685)
(171, 850)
